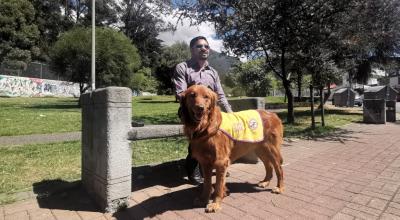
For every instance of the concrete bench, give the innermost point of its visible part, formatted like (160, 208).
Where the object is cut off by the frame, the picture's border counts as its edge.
(106, 133)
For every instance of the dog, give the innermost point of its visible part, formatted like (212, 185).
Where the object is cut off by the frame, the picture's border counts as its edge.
(214, 149)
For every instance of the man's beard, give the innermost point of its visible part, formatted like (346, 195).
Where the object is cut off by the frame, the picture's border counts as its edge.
(203, 56)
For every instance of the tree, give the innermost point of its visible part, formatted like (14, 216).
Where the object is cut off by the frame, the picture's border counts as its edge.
(142, 22)
(253, 77)
(273, 29)
(80, 12)
(18, 33)
(116, 58)
(170, 56)
(142, 80)
(370, 34)
(50, 22)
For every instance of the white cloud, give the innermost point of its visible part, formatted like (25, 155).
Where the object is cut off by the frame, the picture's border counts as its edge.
(185, 32)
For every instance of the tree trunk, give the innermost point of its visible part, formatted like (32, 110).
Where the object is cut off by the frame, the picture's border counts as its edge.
(312, 107)
(326, 96)
(299, 84)
(321, 95)
(289, 95)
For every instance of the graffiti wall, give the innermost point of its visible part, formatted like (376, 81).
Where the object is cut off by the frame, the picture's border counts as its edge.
(23, 86)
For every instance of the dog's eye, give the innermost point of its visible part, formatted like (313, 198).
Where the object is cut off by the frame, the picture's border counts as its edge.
(193, 95)
(206, 97)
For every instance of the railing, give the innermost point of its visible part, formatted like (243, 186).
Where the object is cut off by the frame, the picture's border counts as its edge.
(155, 131)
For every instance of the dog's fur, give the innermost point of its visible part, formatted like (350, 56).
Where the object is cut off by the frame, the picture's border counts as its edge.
(214, 150)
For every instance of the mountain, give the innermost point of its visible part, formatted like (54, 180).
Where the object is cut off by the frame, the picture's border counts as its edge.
(221, 62)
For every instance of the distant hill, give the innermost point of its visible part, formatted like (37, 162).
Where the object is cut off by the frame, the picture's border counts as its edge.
(221, 62)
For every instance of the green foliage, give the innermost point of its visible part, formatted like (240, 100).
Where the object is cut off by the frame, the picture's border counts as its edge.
(116, 58)
(142, 23)
(18, 33)
(253, 78)
(143, 81)
(174, 54)
(50, 22)
(171, 55)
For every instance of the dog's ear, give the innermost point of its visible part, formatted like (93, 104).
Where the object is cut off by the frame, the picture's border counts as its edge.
(215, 114)
(183, 112)
(214, 98)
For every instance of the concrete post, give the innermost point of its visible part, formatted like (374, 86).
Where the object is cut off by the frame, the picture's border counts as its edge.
(106, 154)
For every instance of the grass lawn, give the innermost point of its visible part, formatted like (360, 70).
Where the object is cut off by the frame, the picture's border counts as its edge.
(20, 116)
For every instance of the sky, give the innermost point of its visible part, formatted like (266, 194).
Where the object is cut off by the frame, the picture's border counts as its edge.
(185, 33)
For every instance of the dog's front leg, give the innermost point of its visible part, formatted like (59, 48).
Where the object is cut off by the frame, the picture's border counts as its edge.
(219, 189)
(207, 186)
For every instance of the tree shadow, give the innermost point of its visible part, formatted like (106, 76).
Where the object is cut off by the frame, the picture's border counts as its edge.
(156, 101)
(157, 119)
(56, 106)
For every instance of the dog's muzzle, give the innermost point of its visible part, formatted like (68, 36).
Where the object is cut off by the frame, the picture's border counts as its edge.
(198, 112)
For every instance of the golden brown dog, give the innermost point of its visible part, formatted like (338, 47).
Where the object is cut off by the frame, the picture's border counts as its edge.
(215, 150)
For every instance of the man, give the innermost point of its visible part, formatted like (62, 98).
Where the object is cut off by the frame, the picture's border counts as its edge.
(197, 71)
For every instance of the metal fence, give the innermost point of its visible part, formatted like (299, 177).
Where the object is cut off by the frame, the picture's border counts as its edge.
(33, 70)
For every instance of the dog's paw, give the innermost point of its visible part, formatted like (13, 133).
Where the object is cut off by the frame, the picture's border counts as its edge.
(213, 207)
(278, 190)
(226, 192)
(263, 184)
(199, 202)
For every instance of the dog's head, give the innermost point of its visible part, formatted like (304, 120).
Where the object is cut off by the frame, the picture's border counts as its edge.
(197, 103)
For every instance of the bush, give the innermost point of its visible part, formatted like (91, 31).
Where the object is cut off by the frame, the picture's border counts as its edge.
(117, 59)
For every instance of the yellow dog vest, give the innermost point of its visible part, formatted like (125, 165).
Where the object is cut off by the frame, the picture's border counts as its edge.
(243, 126)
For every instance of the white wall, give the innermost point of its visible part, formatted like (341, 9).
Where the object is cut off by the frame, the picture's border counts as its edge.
(22, 86)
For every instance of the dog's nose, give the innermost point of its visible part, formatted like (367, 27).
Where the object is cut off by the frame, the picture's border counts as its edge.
(200, 107)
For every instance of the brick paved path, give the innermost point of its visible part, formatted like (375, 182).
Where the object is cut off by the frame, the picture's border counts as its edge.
(354, 175)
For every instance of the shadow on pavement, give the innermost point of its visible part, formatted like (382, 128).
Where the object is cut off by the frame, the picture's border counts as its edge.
(64, 195)
(174, 201)
(169, 174)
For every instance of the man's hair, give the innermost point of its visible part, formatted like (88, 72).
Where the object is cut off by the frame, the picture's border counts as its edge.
(194, 40)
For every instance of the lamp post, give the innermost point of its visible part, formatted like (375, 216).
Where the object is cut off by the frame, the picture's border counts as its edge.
(93, 46)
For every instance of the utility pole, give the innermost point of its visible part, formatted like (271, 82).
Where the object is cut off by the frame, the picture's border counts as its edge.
(93, 46)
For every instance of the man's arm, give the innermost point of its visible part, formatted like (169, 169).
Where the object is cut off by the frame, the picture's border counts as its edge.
(179, 80)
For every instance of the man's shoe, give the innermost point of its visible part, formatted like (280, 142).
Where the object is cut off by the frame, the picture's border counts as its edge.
(195, 178)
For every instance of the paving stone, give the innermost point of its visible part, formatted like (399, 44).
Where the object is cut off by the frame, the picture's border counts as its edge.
(342, 216)
(21, 206)
(65, 214)
(41, 214)
(378, 204)
(388, 216)
(23, 215)
(1, 212)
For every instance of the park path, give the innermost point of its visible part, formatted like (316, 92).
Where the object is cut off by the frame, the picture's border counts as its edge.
(352, 175)
(39, 138)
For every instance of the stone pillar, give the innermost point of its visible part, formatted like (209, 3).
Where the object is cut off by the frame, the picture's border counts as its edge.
(106, 154)
(246, 104)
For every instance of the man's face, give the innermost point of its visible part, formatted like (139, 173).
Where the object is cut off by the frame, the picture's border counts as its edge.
(200, 50)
